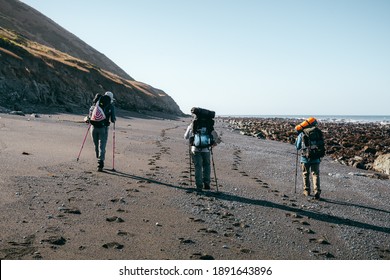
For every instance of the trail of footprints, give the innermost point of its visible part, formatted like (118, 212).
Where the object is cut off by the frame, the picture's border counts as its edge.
(155, 169)
(226, 231)
(303, 226)
(237, 158)
(231, 230)
(227, 228)
(163, 150)
(187, 175)
(37, 192)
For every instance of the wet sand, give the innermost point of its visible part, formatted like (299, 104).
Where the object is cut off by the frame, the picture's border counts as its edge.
(56, 208)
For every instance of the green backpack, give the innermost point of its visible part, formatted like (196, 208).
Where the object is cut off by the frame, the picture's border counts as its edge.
(314, 145)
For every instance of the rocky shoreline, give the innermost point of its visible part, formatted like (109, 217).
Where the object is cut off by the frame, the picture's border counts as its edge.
(362, 145)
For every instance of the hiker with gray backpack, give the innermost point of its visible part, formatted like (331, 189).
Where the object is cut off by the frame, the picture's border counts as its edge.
(100, 114)
(202, 138)
(310, 142)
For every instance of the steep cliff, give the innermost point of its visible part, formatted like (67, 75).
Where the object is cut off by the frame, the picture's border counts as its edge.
(36, 75)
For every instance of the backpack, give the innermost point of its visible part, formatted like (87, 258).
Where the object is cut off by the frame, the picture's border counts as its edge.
(314, 145)
(201, 113)
(100, 111)
(202, 137)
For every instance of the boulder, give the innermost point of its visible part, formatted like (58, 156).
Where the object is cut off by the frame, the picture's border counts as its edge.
(382, 164)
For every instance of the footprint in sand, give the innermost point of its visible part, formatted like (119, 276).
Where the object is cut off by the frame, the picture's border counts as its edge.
(141, 182)
(132, 190)
(240, 225)
(321, 241)
(114, 219)
(229, 234)
(304, 223)
(197, 220)
(294, 215)
(69, 210)
(246, 251)
(306, 230)
(284, 197)
(208, 230)
(201, 256)
(114, 245)
(384, 253)
(124, 233)
(323, 254)
(186, 241)
(55, 240)
(116, 200)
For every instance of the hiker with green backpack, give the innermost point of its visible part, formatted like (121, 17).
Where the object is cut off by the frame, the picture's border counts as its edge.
(100, 114)
(310, 142)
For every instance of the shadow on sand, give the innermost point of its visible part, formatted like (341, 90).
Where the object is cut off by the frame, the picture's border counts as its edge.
(263, 203)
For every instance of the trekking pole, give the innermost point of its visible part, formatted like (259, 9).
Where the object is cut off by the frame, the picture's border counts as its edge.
(89, 126)
(296, 173)
(113, 149)
(215, 173)
(189, 154)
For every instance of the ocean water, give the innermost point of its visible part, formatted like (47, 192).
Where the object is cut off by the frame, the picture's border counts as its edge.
(327, 118)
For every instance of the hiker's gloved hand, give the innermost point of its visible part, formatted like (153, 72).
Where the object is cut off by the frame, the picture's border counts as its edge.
(86, 119)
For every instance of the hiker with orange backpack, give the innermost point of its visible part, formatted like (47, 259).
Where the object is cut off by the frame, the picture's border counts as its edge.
(310, 142)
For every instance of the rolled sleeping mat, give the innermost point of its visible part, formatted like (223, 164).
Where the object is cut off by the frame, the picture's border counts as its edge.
(306, 123)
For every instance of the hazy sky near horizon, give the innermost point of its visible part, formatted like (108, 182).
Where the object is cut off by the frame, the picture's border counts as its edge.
(249, 57)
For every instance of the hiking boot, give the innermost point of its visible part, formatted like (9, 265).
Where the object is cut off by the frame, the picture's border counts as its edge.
(317, 196)
(100, 166)
(206, 186)
(306, 193)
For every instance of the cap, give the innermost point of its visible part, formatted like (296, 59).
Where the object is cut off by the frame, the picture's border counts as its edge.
(111, 95)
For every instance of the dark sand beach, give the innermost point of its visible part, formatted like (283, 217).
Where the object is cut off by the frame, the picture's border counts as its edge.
(53, 207)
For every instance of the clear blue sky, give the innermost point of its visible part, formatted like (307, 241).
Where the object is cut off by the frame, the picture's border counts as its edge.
(244, 57)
